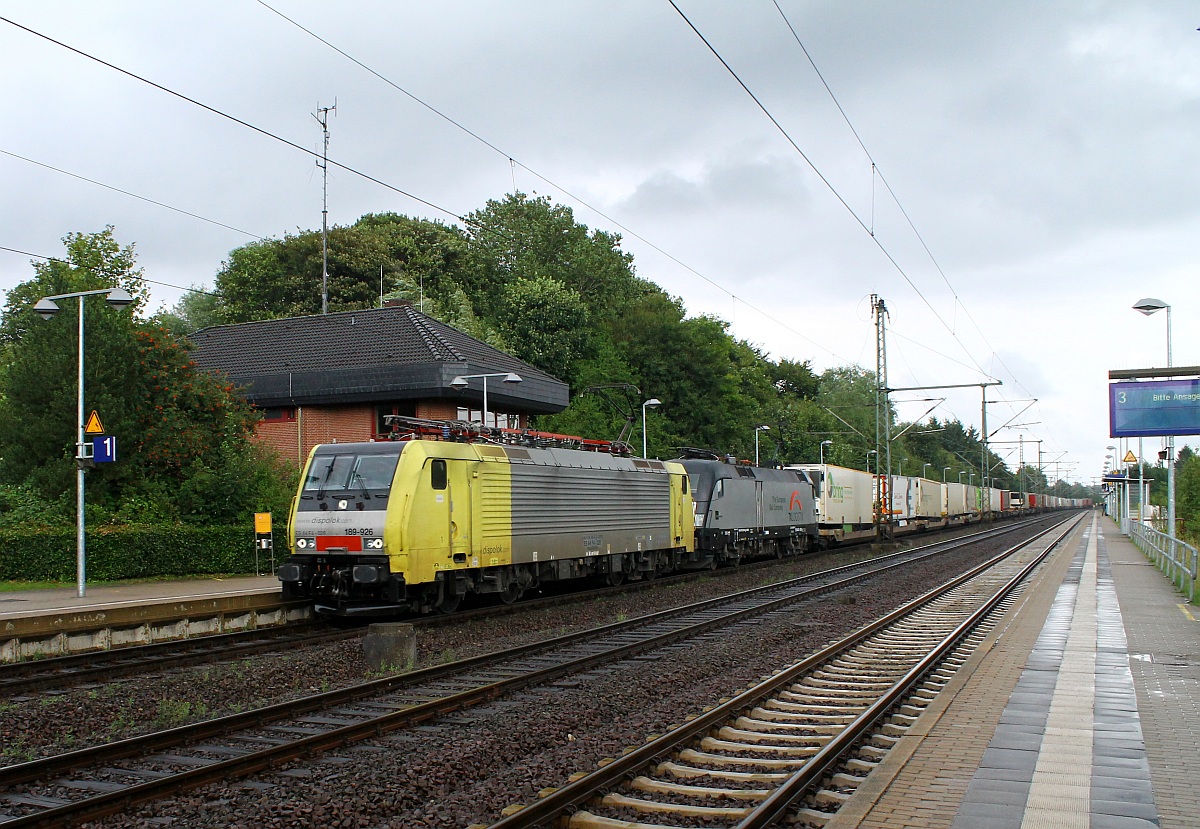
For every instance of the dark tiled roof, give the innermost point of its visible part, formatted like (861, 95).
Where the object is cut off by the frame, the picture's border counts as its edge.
(384, 354)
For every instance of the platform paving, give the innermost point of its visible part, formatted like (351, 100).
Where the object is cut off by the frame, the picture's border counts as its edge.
(22, 603)
(1079, 710)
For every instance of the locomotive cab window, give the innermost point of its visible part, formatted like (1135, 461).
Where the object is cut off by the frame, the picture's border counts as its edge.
(437, 474)
(333, 473)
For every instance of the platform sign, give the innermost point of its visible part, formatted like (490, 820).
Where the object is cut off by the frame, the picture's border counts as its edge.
(93, 425)
(264, 540)
(104, 450)
(1154, 408)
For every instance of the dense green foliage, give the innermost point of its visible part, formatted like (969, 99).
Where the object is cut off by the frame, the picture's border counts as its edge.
(524, 275)
(127, 552)
(184, 436)
(521, 274)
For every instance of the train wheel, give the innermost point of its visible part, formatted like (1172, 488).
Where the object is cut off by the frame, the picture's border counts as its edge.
(615, 577)
(511, 592)
(448, 604)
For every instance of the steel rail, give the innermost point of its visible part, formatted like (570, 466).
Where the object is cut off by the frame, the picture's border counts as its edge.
(185, 734)
(781, 800)
(575, 794)
(40, 673)
(108, 803)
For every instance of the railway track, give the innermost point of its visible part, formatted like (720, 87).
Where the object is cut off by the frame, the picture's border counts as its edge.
(54, 674)
(792, 749)
(91, 783)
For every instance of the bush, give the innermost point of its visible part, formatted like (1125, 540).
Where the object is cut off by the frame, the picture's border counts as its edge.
(126, 552)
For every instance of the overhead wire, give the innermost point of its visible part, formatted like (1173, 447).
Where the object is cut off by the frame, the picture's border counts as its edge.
(875, 171)
(132, 195)
(828, 184)
(193, 289)
(514, 162)
(239, 121)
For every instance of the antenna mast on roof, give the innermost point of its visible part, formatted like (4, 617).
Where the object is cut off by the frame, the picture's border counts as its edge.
(322, 116)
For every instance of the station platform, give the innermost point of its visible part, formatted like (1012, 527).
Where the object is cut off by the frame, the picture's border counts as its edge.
(65, 599)
(58, 621)
(1079, 710)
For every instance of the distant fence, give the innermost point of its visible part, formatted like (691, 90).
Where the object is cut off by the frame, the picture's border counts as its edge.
(1178, 559)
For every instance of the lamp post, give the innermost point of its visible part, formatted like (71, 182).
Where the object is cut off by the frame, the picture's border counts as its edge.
(925, 466)
(824, 443)
(871, 452)
(653, 401)
(900, 471)
(945, 469)
(758, 429)
(961, 472)
(1123, 492)
(46, 307)
(460, 382)
(1148, 306)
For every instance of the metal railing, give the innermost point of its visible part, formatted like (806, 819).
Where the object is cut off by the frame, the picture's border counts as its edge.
(1177, 559)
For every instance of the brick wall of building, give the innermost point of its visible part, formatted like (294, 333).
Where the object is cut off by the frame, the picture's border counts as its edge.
(343, 424)
(283, 438)
(437, 409)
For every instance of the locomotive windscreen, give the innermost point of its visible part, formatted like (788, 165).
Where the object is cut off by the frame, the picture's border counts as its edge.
(350, 471)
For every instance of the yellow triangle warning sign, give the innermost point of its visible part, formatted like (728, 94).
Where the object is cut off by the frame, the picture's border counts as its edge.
(1129, 456)
(94, 426)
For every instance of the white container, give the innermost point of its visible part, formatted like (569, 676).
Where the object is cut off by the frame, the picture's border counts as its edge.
(846, 497)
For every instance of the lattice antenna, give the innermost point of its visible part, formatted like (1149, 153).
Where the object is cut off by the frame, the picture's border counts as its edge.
(322, 116)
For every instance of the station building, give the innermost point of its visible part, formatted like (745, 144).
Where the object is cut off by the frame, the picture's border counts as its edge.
(332, 378)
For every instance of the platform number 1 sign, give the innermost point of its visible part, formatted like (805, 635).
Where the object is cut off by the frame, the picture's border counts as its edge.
(104, 450)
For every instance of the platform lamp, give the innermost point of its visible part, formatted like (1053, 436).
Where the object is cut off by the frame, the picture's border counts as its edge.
(871, 452)
(758, 429)
(1149, 306)
(460, 382)
(945, 469)
(653, 401)
(925, 466)
(961, 472)
(824, 443)
(46, 308)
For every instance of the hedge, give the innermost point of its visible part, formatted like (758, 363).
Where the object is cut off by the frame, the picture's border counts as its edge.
(127, 552)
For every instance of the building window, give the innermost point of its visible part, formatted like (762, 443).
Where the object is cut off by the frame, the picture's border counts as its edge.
(279, 414)
(499, 420)
(406, 409)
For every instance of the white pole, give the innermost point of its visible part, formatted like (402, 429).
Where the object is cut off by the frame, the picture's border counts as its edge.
(1170, 458)
(485, 423)
(80, 536)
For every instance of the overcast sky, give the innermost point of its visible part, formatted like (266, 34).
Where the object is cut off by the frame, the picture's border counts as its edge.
(1044, 152)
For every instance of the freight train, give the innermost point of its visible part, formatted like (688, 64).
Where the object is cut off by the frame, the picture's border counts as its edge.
(454, 509)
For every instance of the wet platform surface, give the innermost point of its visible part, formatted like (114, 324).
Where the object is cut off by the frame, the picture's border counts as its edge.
(1080, 710)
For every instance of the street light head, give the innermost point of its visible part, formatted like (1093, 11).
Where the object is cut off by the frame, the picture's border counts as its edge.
(653, 401)
(827, 443)
(119, 298)
(459, 382)
(762, 428)
(46, 308)
(512, 377)
(1149, 305)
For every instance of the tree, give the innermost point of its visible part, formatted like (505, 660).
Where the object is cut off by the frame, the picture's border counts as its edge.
(546, 324)
(174, 423)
